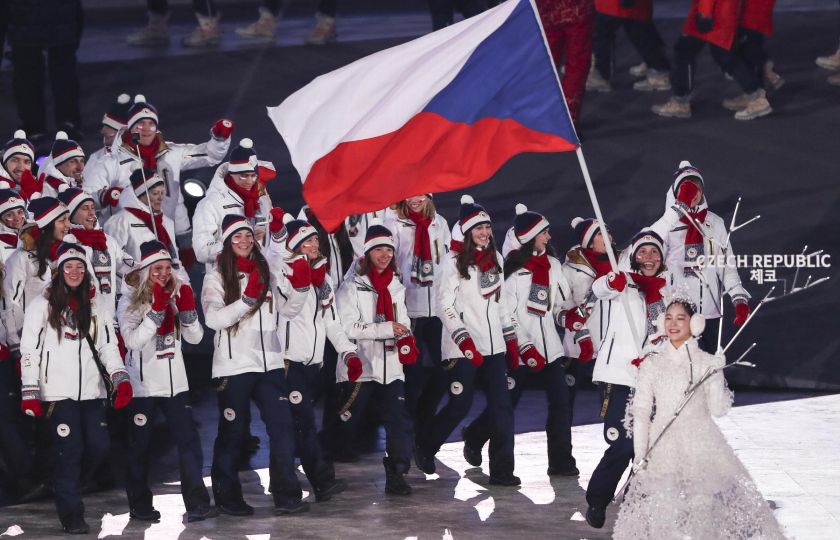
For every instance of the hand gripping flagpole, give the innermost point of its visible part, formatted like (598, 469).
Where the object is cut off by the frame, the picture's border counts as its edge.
(642, 463)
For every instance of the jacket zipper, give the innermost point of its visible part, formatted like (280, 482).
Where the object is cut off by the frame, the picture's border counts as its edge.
(384, 364)
(80, 366)
(315, 327)
(262, 344)
(489, 328)
(609, 352)
(288, 334)
(171, 385)
(545, 345)
(47, 369)
(230, 348)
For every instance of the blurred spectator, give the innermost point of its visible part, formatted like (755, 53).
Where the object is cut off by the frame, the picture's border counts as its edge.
(53, 28)
(443, 11)
(831, 62)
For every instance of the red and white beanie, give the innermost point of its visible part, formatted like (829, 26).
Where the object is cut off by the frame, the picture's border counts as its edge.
(116, 116)
(243, 158)
(527, 225)
(64, 149)
(686, 171)
(378, 235)
(151, 178)
(297, 231)
(644, 238)
(69, 250)
(471, 214)
(586, 230)
(19, 144)
(152, 252)
(45, 210)
(73, 198)
(232, 224)
(9, 200)
(141, 110)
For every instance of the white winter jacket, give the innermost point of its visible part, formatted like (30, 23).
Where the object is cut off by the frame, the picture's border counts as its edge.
(130, 232)
(375, 340)
(21, 285)
(254, 346)
(420, 301)
(103, 213)
(219, 202)
(718, 279)
(461, 306)
(109, 285)
(540, 330)
(152, 376)
(65, 369)
(7, 247)
(50, 187)
(617, 348)
(580, 275)
(116, 168)
(305, 325)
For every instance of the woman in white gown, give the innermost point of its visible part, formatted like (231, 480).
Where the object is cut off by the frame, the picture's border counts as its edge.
(692, 485)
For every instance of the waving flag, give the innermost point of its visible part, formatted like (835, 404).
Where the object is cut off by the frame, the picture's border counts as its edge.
(440, 113)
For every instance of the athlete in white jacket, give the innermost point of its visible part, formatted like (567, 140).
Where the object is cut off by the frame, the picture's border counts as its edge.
(421, 244)
(12, 220)
(67, 348)
(644, 283)
(238, 300)
(156, 313)
(537, 293)
(65, 167)
(167, 159)
(372, 309)
(479, 333)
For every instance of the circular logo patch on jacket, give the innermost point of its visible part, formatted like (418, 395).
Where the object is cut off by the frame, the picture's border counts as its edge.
(456, 388)
(612, 434)
(140, 419)
(542, 295)
(405, 349)
(532, 362)
(468, 355)
(63, 430)
(570, 380)
(295, 397)
(511, 383)
(230, 414)
(345, 416)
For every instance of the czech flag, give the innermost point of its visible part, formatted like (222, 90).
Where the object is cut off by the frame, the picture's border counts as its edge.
(440, 113)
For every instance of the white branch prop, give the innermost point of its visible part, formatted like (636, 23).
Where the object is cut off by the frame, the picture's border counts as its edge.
(752, 314)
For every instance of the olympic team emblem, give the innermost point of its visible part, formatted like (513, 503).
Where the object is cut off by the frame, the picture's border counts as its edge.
(691, 252)
(542, 294)
(492, 277)
(295, 397)
(63, 430)
(570, 380)
(345, 416)
(427, 268)
(169, 340)
(456, 388)
(511, 383)
(140, 420)
(102, 258)
(230, 414)
(612, 434)
(405, 349)
(532, 362)
(468, 355)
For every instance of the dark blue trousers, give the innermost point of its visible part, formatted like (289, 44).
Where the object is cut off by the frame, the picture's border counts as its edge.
(558, 425)
(302, 382)
(619, 455)
(270, 393)
(425, 382)
(80, 443)
(461, 377)
(178, 413)
(17, 475)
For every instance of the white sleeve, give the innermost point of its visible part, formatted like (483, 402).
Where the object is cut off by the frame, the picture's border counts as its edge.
(447, 299)
(732, 281)
(136, 328)
(196, 156)
(106, 346)
(351, 318)
(32, 342)
(206, 239)
(290, 301)
(643, 407)
(98, 177)
(118, 229)
(335, 332)
(217, 315)
(14, 284)
(718, 395)
(667, 222)
(602, 290)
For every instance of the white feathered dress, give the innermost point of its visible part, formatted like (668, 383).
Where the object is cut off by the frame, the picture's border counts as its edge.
(694, 487)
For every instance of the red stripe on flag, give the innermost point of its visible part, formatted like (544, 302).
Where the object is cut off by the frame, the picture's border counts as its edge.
(429, 154)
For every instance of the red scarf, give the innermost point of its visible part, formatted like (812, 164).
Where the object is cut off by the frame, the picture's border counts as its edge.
(650, 286)
(147, 153)
(250, 197)
(456, 246)
(693, 237)
(245, 265)
(143, 216)
(538, 296)
(92, 238)
(598, 261)
(485, 259)
(54, 250)
(380, 282)
(9, 238)
(422, 249)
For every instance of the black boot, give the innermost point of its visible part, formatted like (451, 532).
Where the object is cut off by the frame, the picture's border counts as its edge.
(292, 506)
(471, 455)
(141, 513)
(425, 463)
(395, 483)
(596, 516)
(75, 523)
(201, 512)
(235, 507)
(326, 490)
(508, 480)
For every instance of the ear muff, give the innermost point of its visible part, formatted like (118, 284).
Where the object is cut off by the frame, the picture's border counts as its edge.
(659, 323)
(697, 324)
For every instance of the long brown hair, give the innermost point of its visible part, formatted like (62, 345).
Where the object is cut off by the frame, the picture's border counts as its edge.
(58, 297)
(341, 237)
(229, 271)
(517, 258)
(144, 287)
(366, 265)
(43, 244)
(466, 257)
(428, 211)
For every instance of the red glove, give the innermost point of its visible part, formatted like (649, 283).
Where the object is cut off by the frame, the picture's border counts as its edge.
(28, 185)
(124, 395)
(4, 352)
(187, 256)
(467, 347)
(532, 357)
(31, 407)
(354, 366)
(687, 191)
(407, 349)
(637, 361)
(222, 128)
(110, 196)
(587, 350)
(121, 344)
(616, 282)
(301, 276)
(185, 301)
(255, 285)
(575, 319)
(160, 298)
(275, 220)
(512, 354)
(742, 312)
